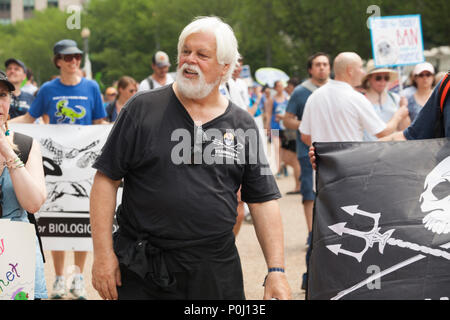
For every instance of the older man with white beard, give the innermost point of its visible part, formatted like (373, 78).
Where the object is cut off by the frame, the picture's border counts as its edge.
(182, 155)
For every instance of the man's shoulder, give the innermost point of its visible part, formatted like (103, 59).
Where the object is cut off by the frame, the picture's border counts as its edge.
(55, 83)
(26, 96)
(146, 99)
(301, 90)
(241, 116)
(90, 83)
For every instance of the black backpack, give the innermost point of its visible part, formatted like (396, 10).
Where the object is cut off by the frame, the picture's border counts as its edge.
(24, 144)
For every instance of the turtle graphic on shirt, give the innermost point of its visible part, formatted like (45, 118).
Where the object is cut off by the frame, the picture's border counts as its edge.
(63, 111)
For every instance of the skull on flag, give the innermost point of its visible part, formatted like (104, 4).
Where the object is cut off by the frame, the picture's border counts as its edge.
(435, 200)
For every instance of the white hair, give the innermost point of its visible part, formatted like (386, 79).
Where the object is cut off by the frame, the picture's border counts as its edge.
(226, 42)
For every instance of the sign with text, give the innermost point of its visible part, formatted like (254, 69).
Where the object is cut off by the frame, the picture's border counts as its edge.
(17, 260)
(396, 40)
(68, 153)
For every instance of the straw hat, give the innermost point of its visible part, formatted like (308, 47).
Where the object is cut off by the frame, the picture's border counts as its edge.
(371, 69)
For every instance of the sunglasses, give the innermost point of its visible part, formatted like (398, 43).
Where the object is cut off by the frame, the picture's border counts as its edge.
(426, 74)
(379, 78)
(1, 201)
(70, 57)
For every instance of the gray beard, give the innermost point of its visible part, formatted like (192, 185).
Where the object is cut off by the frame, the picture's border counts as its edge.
(190, 90)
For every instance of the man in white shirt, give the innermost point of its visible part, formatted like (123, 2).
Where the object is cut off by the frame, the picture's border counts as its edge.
(160, 76)
(232, 89)
(336, 112)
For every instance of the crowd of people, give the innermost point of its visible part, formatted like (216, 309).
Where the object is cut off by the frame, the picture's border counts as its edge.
(356, 103)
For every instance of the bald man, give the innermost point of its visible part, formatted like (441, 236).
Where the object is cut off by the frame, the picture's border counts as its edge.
(336, 112)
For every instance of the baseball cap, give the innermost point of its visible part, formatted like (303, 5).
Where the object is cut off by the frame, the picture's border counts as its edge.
(16, 61)
(4, 78)
(161, 59)
(66, 46)
(421, 67)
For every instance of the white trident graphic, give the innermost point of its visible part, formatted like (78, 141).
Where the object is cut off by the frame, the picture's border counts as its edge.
(374, 236)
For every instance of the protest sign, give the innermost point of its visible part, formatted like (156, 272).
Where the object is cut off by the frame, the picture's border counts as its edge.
(396, 40)
(68, 152)
(17, 260)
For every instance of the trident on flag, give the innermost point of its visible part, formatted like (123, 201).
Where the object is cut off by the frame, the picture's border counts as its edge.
(374, 236)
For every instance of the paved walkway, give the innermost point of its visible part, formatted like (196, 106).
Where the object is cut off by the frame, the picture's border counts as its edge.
(252, 259)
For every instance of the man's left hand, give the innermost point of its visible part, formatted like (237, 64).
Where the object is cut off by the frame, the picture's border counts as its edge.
(277, 287)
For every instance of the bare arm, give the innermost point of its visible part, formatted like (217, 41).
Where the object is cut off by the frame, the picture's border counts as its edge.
(254, 107)
(306, 138)
(395, 121)
(396, 136)
(100, 121)
(29, 181)
(105, 269)
(268, 106)
(26, 118)
(290, 121)
(269, 230)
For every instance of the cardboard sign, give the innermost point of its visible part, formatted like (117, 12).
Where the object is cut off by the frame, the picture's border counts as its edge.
(396, 40)
(17, 260)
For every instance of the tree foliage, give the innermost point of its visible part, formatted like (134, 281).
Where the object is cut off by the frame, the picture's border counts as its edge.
(279, 33)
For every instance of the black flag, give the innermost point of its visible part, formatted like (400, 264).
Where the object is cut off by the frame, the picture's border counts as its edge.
(381, 221)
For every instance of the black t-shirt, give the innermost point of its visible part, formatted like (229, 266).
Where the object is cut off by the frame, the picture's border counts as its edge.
(169, 190)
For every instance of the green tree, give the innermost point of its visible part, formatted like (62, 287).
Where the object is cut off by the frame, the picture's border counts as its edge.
(32, 41)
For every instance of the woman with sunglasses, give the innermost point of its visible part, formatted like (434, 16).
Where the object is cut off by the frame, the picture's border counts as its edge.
(126, 87)
(22, 185)
(423, 80)
(68, 99)
(385, 103)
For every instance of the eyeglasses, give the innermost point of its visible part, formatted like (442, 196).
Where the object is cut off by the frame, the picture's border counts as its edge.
(70, 57)
(424, 74)
(379, 78)
(1, 201)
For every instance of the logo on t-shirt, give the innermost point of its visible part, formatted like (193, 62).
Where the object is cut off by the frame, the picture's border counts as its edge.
(228, 148)
(63, 112)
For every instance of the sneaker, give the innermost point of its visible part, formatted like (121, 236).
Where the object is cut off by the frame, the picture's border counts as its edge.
(77, 288)
(59, 289)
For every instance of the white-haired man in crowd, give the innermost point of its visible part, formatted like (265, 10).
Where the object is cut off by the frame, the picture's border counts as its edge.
(182, 162)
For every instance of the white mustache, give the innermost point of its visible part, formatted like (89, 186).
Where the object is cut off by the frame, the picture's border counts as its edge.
(191, 68)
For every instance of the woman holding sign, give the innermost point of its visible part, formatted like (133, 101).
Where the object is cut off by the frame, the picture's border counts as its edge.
(22, 185)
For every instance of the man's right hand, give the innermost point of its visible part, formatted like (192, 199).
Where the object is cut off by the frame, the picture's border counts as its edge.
(312, 156)
(106, 276)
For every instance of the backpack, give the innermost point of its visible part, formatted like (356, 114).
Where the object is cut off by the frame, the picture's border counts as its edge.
(443, 93)
(24, 144)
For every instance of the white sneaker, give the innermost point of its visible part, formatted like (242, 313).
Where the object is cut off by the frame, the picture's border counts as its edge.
(59, 289)
(77, 288)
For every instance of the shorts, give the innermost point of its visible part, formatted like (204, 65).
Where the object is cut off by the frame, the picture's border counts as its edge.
(306, 179)
(286, 143)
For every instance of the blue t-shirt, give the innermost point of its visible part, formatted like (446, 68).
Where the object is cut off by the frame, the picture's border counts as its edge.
(423, 126)
(21, 104)
(296, 105)
(78, 104)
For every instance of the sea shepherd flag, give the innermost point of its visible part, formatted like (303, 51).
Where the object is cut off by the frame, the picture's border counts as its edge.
(381, 221)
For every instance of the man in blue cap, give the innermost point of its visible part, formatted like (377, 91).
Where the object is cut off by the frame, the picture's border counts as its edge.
(16, 71)
(69, 99)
